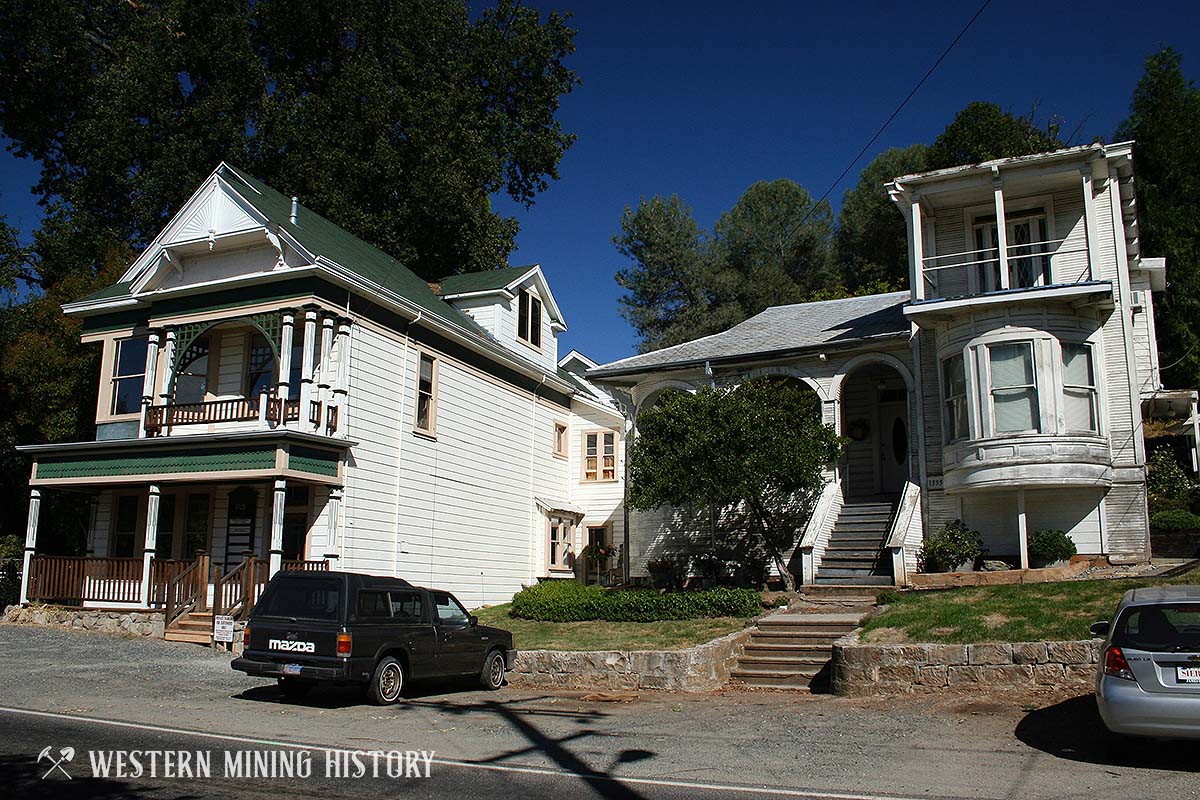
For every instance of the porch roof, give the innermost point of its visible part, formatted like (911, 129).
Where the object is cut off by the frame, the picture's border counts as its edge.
(780, 329)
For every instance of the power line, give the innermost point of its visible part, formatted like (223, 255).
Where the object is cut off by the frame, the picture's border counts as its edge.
(899, 108)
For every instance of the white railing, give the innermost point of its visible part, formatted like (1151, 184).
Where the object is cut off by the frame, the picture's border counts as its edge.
(975, 272)
(906, 533)
(816, 532)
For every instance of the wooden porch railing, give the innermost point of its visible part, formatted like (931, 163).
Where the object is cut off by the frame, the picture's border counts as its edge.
(237, 409)
(162, 572)
(75, 579)
(306, 566)
(188, 590)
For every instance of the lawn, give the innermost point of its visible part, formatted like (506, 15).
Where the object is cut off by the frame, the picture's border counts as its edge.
(1018, 613)
(668, 635)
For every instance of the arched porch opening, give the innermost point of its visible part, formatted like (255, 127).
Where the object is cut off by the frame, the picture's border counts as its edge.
(876, 420)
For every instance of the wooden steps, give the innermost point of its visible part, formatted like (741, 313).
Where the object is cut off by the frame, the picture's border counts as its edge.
(854, 553)
(194, 627)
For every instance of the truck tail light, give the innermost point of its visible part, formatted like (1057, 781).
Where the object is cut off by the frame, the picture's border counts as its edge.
(344, 644)
(1116, 665)
(246, 638)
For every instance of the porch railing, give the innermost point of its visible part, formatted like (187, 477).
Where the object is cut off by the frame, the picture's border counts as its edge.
(976, 272)
(237, 409)
(71, 580)
(188, 590)
(162, 572)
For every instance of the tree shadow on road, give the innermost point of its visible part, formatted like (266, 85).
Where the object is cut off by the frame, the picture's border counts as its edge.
(1073, 730)
(23, 778)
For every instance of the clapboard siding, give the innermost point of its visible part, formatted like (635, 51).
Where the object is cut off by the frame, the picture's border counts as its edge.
(102, 523)
(950, 238)
(1144, 345)
(1127, 522)
(1074, 511)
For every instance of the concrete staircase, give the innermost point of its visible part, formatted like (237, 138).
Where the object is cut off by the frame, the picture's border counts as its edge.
(854, 554)
(195, 627)
(793, 650)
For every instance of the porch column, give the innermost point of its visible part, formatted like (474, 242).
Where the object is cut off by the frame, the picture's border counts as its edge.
(148, 382)
(325, 382)
(1001, 232)
(917, 250)
(164, 385)
(1091, 228)
(285, 360)
(152, 503)
(277, 525)
(341, 394)
(334, 511)
(1022, 529)
(306, 365)
(31, 527)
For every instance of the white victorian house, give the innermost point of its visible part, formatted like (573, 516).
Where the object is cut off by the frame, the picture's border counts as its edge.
(277, 394)
(1005, 388)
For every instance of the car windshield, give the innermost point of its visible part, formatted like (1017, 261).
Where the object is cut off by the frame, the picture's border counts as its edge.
(1169, 627)
(308, 598)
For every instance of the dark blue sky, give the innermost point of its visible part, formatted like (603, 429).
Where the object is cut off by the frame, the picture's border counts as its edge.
(701, 99)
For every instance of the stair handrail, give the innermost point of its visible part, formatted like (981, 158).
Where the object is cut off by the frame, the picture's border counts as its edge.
(229, 591)
(816, 522)
(897, 539)
(182, 593)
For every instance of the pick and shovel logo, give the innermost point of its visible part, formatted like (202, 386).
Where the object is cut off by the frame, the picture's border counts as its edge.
(64, 755)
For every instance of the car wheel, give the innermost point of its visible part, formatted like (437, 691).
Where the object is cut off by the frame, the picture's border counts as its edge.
(492, 676)
(294, 689)
(387, 683)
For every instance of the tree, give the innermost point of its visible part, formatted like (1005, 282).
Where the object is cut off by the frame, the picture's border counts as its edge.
(872, 238)
(1163, 120)
(754, 454)
(984, 131)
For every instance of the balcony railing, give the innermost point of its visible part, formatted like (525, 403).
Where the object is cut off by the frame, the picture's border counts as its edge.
(1030, 265)
(238, 409)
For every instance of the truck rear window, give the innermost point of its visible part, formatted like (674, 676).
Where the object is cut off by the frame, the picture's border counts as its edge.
(1167, 627)
(308, 598)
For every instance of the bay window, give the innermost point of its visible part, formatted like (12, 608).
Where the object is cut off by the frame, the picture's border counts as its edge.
(1013, 388)
(1079, 388)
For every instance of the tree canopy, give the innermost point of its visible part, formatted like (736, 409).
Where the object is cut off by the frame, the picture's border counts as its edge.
(753, 454)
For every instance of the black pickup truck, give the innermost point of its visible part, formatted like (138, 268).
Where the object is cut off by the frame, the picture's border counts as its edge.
(349, 628)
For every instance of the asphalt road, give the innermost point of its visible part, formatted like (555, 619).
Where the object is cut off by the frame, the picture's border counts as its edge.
(91, 692)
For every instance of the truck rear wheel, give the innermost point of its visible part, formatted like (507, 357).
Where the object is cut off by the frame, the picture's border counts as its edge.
(492, 676)
(386, 683)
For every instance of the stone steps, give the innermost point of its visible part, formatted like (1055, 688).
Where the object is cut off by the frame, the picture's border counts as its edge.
(792, 650)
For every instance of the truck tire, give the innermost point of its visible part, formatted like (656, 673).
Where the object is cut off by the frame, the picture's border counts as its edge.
(492, 676)
(294, 688)
(387, 682)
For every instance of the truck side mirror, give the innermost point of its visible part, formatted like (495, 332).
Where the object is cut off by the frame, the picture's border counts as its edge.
(473, 620)
(1099, 628)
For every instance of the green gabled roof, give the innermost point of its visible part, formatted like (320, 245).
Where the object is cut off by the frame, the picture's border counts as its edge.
(108, 292)
(574, 381)
(322, 237)
(488, 280)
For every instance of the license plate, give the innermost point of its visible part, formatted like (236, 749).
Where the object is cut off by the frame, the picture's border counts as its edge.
(294, 669)
(1187, 674)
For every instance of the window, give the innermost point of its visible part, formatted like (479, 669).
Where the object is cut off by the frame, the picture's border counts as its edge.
(125, 525)
(1013, 390)
(426, 412)
(1028, 251)
(296, 368)
(529, 318)
(129, 372)
(600, 456)
(165, 535)
(449, 611)
(195, 525)
(954, 390)
(191, 380)
(559, 544)
(260, 365)
(1079, 388)
(406, 607)
(560, 440)
(374, 605)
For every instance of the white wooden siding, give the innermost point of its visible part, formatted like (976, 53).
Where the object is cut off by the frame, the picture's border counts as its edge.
(1074, 511)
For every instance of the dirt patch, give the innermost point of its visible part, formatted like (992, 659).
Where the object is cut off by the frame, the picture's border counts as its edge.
(943, 631)
(994, 621)
(887, 636)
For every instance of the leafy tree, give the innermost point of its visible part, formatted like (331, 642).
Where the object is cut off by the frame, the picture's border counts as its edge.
(872, 238)
(753, 454)
(1163, 120)
(984, 131)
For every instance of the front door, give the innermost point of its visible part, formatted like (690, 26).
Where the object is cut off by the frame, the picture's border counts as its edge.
(892, 447)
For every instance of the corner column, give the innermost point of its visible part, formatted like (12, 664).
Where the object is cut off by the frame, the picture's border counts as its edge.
(148, 381)
(1022, 529)
(341, 393)
(1001, 232)
(334, 511)
(164, 385)
(152, 504)
(917, 249)
(306, 366)
(277, 506)
(31, 529)
(325, 383)
(1091, 229)
(285, 361)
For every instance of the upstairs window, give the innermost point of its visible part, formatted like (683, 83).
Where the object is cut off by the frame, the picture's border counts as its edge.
(954, 390)
(1028, 251)
(1014, 388)
(560, 440)
(426, 411)
(260, 365)
(1079, 388)
(191, 380)
(128, 375)
(600, 456)
(529, 318)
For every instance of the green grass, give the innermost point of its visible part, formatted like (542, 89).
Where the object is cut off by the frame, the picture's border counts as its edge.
(1018, 613)
(667, 635)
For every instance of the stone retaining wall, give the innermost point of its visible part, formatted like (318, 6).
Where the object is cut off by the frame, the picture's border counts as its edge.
(701, 668)
(868, 669)
(126, 623)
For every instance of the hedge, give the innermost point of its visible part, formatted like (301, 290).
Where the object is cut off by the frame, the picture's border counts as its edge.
(569, 601)
(1174, 519)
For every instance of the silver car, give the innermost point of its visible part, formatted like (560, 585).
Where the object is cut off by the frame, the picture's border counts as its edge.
(1148, 683)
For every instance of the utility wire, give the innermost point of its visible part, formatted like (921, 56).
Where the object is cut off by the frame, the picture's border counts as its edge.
(899, 108)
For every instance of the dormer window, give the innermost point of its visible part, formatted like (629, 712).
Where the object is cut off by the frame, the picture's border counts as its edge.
(529, 319)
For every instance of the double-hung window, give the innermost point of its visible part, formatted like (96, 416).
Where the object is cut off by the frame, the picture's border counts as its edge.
(560, 440)
(1013, 388)
(425, 419)
(128, 375)
(1079, 388)
(558, 544)
(954, 390)
(600, 456)
(529, 318)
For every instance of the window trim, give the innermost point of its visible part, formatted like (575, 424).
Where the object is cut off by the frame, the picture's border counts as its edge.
(109, 394)
(600, 455)
(1094, 388)
(947, 398)
(526, 299)
(560, 444)
(430, 429)
(1031, 343)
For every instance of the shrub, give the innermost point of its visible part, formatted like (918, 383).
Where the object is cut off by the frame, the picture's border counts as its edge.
(1048, 546)
(948, 546)
(1168, 485)
(1174, 519)
(569, 601)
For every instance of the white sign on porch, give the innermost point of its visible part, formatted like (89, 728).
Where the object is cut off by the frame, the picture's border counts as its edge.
(222, 628)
